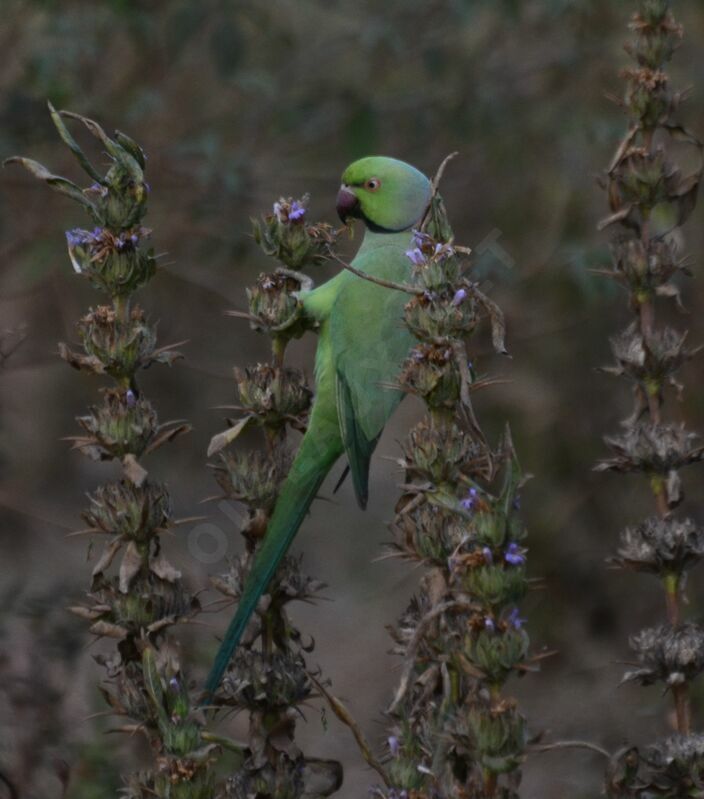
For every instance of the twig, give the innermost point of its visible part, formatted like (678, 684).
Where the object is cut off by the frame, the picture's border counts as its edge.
(571, 745)
(345, 717)
(388, 284)
(441, 170)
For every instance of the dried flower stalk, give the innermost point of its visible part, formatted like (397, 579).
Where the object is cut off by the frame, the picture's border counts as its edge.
(650, 198)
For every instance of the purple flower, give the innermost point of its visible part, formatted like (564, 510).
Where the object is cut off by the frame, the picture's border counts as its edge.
(296, 211)
(174, 685)
(488, 555)
(514, 554)
(489, 624)
(430, 296)
(517, 502)
(442, 251)
(394, 746)
(420, 239)
(469, 502)
(460, 297)
(79, 237)
(514, 619)
(130, 398)
(415, 256)
(73, 238)
(126, 242)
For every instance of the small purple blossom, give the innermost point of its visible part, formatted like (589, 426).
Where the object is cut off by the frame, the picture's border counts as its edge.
(174, 685)
(287, 212)
(489, 624)
(296, 211)
(470, 501)
(73, 238)
(488, 555)
(514, 620)
(514, 554)
(420, 239)
(130, 398)
(126, 242)
(442, 251)
(460, 296)
(80, 238)
(415, 256)
(430, 296)
(394, 746)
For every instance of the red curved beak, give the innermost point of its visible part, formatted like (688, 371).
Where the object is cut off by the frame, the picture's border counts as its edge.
(347, 203)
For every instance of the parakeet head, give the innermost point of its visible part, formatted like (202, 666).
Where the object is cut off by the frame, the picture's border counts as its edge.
(387, 194)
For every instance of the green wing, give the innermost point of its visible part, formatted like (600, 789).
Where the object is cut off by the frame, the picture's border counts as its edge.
(369, 343)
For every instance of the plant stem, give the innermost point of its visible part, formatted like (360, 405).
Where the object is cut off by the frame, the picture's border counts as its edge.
(646, 317)
(490, 781)
(122, 307)
(682, 708)
(672, 585)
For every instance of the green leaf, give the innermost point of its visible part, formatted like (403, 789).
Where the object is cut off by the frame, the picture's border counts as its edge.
(72, 144)
(62, 185)
(119, 153)
(513, 478)
(152, 682)
(132, 148)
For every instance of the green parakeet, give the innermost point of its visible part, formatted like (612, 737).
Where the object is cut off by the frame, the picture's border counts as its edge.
(362, 343)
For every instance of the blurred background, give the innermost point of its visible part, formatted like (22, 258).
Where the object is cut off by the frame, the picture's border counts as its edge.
(236, 103)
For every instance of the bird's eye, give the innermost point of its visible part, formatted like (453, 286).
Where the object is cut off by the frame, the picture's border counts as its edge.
(372, 184)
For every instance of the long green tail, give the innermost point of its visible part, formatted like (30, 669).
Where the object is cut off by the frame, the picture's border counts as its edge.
(312, 463)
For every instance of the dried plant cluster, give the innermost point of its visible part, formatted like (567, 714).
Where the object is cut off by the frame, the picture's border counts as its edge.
(454, 732)
(268, 677)
(135, 595)
(650, 198)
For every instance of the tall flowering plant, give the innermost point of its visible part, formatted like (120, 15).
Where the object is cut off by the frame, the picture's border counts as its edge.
(455, 731)
(650, 197)
(136, 595)
(268, 677)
